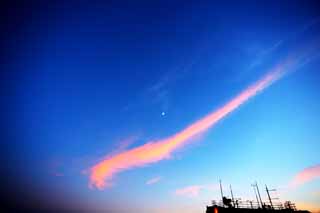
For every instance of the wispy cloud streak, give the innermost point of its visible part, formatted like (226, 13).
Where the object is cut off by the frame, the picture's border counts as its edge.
(153, 180)
(154, 151)
(194, 190)
(306, 175)
(189, 191)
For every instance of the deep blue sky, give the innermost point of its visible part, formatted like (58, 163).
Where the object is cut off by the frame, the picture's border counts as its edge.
(81, 77)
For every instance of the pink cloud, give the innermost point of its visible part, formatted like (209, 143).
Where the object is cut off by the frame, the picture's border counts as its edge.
(102, 173)
(194, 190)
(306, 175)
(189, 191)
(153, 180)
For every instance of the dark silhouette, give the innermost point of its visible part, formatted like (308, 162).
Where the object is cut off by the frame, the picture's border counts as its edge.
(227, 205)
(227, 202)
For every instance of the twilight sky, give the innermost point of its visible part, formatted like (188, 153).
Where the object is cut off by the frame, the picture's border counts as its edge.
(143, 106)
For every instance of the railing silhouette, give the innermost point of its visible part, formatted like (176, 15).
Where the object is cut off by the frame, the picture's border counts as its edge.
(252, 205)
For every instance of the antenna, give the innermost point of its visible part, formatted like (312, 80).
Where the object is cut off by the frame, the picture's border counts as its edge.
(269, 196)
(221, 191)
(255, 192)
(259, 195)
(232, 195)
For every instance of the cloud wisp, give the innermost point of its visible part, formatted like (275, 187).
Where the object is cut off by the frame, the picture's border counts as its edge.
(102, 173)
(306, 175)
(189, 191)
(153, 180)
(194, 190)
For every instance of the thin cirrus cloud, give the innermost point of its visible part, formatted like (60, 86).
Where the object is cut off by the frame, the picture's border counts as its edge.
(102, 173)
(194, 190)
(306, 175)
(189, 191)
(153, 180)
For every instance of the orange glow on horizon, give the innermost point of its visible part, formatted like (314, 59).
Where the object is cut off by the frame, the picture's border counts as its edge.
(154, 151)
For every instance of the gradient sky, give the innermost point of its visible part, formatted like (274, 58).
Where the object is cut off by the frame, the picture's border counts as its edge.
(85, 82)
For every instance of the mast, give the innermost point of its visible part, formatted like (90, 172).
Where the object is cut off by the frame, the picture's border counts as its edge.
(259, 195)
(221, 192)
(232, 196)
(270, 200)
(255, 192)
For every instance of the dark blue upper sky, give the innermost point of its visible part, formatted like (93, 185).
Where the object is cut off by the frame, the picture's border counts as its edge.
(80, 77)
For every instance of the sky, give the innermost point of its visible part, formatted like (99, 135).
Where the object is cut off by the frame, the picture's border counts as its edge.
(143, 106)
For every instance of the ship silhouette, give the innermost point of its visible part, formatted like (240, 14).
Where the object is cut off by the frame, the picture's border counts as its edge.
(232, 205)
